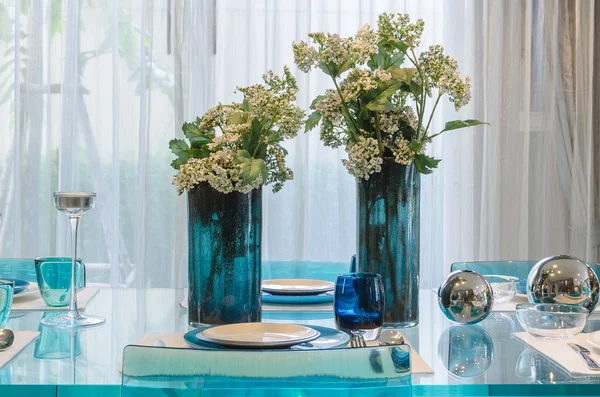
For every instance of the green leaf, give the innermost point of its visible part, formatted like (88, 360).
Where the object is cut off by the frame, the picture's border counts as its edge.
(197, 153)
(197, 141)
(347, 64)
(397, 44)
(246, 106)
(274, 137)
(195, 135)
(416, 88)
(383, 59)
(381, 101)
(178, 162)
(178, 145)
(251, 139)
(312, 121)
(316, 100)
(190, 129)
(415, 146)
(457, 124)
(425, 164)
(251, 167)
(240, 117)
(179, 148)
(402, 74)
(329, 69)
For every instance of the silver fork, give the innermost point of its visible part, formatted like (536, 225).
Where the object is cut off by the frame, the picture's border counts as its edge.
(357, 339)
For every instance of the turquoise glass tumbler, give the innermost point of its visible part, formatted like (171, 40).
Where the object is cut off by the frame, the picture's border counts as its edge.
(54, 279)
(7, 289)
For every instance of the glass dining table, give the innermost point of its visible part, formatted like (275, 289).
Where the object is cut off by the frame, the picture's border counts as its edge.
(481, 360)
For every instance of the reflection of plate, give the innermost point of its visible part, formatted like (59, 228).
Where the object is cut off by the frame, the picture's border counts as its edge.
(20, 286)
(33, 290)
(297, 287)
(327, 297)
(330, 338)
(258, 335)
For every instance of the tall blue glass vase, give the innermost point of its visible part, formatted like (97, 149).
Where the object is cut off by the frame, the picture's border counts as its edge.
(388, 238)
(224, 256)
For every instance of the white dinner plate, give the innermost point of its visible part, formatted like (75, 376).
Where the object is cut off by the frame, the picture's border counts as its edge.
(258, 335)
(297, 287)
(33, 290)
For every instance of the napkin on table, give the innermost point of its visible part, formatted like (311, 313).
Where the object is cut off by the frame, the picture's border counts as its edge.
(561, 353)
(36, 303)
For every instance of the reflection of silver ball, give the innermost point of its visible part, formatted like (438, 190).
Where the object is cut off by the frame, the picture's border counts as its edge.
(563, 279)
(465, 351)
(465, 297)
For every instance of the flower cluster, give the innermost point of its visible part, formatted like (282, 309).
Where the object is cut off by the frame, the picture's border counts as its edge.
(219, 170)
(363, 157)
(275, 101)
(442, 73)
(375, 74)
(236, 148)
(399, 27)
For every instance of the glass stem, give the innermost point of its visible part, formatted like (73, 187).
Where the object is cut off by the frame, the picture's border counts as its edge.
(74, 220)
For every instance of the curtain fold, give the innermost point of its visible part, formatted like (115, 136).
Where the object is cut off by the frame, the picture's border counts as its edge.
(92, 92)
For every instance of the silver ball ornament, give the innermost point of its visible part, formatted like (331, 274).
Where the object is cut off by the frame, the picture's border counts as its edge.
(465, 297)
(563, 279)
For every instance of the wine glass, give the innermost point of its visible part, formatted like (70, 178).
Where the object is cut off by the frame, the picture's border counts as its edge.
(73, 204)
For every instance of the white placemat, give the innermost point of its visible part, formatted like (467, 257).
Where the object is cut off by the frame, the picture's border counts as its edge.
(36, 303)
(175, 339)
(22, 339)
(559, 352)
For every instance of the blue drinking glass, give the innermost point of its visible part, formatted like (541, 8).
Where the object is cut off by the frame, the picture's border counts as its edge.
(358, 304)
(54, 279)
(7, 289)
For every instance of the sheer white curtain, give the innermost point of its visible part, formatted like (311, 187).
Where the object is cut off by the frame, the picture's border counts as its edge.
(91, 93)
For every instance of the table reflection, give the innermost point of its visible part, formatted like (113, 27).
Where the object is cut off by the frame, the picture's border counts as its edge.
(533, 367)
(465, 351)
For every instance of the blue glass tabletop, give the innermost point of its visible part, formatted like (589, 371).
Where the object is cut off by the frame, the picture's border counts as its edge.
(88, 362)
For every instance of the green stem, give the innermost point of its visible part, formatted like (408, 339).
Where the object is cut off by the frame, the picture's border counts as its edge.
(342, 99)
(431, 115)
(378, 131)
(423, 97)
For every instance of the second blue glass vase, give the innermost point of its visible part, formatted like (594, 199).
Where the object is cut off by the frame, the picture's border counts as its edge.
(388, 238)
(224, 256)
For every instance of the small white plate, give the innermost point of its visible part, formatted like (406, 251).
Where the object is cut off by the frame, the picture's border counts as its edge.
(258, 335)
(33, 290)
(297, 287)
(594, 340)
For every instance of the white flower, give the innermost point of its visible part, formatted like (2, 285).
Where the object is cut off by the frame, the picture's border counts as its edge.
(402, 152)
(364, 44)
(442, 72)
(305, 56)
(363, 158)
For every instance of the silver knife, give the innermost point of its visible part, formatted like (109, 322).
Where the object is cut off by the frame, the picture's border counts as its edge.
(585, 354)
